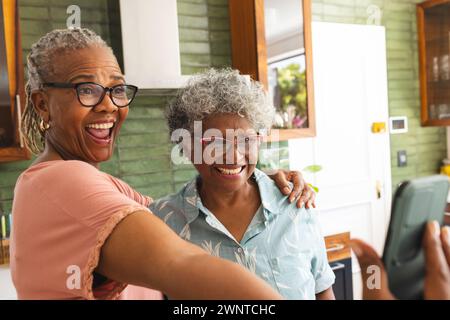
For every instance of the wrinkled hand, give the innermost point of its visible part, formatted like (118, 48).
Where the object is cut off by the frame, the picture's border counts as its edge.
(436, 244)
(301, 191)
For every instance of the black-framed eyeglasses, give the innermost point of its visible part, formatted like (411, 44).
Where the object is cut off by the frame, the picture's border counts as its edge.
(91, 94)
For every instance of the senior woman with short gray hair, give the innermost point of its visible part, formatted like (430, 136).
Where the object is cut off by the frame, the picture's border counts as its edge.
(232, 209)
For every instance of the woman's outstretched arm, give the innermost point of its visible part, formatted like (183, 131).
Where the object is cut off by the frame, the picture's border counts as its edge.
(143, 251)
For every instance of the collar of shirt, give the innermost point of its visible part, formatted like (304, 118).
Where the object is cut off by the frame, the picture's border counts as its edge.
(271, 201)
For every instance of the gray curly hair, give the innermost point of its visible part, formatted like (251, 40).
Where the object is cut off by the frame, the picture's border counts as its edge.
(220, 91)
(41, 69)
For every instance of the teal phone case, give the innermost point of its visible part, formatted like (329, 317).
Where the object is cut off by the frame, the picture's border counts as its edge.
(415, 203)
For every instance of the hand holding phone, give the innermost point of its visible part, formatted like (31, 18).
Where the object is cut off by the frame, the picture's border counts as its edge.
(436, 245)
(415, 202)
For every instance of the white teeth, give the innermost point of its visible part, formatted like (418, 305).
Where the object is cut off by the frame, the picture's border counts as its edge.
(108, 125)
(230, 171)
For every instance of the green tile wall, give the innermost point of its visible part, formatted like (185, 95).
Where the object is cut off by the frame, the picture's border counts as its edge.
(426, 147)
(142, 155)
(204, 33)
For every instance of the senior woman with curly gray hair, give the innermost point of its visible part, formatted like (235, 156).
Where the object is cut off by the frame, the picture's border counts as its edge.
(232, 209)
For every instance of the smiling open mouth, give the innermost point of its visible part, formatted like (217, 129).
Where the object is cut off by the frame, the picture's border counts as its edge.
(100, 132)
(230, 171)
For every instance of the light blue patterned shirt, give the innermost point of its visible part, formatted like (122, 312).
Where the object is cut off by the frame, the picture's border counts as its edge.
(283, 244)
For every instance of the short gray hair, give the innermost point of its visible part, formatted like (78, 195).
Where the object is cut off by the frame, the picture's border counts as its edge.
(41, 69)
(217, 92)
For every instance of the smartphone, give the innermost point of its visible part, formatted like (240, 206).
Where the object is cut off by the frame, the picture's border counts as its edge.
(415, 203)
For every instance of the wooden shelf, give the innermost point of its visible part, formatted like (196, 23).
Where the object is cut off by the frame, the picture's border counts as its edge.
(439, 40)
(441, 84)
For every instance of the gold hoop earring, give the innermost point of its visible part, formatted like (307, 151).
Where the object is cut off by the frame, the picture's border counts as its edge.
(43, 126)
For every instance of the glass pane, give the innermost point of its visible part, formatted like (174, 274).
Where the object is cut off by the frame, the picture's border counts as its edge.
(6, 127)
(437, 31)
(286, 62)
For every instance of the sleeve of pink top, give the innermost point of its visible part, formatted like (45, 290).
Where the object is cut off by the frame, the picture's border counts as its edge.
(92, 204)
(133, 194)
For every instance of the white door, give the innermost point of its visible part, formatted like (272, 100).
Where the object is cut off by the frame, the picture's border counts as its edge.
(350, 78)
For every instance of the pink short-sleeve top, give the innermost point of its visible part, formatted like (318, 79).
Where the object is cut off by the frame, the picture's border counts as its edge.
(63, 212)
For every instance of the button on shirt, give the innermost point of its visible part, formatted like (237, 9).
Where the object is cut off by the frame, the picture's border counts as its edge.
(283, 244)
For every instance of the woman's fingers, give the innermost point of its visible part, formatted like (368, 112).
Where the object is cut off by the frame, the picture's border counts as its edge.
(281, 180)
(312, 201)
(375, 282)
(306, 198)
(301, 192)
(437, 273)
(445, 240)
(434, 255)
(301, 188)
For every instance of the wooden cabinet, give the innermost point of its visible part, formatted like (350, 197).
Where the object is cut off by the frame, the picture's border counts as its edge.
(12, 89)
(433, 19)
(339, 257)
